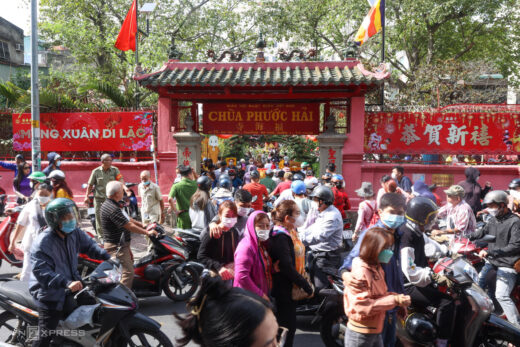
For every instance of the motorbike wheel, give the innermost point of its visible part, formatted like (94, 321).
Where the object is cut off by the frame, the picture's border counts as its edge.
(8, 324)
(181, 284)
(496, 342)
(145, 337)
(329, 329)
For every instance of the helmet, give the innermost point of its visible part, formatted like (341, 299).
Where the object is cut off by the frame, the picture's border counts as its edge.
(323, 193)
(38, 176)
(254, 174)
(298, 177)
(57, 174)
(515, 183)
(304, 165)
(57, 209)
(420, 328)
(421, 210)
(224, 182)
(337, 177)
(326, 176)
(496, 196)
(204, 183)
(298, 187)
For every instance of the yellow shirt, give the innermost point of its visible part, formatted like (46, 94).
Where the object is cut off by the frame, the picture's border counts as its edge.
(61, 193)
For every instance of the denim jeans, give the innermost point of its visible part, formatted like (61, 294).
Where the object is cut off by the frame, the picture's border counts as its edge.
(506, 280)
(484, 280)
(355, 339)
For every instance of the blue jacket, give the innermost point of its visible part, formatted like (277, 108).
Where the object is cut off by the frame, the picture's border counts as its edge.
(51, 157)
(10, 166)
(393, 274)
(55, 264)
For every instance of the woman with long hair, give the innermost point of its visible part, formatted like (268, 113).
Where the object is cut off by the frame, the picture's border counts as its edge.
(22, 183)
(202, 210)
(60, 189)
(366, 309)
(287, 249)
(223, 316)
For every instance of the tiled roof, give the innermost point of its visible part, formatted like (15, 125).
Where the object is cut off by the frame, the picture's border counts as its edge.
(335, 73)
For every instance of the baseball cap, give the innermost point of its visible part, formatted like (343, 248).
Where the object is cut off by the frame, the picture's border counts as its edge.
(455, 190)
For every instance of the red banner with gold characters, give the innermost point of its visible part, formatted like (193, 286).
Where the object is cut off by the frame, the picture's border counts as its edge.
(442, 133)
(86, 131)
(261, 118)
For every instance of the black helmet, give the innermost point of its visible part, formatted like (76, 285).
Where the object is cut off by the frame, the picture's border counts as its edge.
(224, 182)
(323, 193)
(298, 177)
(327, 176)
(57, 209)
(515, 183)
(421, 210)
(496, 196)
(254, 174)
(204, 183)
(420, 328)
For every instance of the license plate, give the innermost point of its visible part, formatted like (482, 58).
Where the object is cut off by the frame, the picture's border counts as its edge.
(347, 234)
(91, 210)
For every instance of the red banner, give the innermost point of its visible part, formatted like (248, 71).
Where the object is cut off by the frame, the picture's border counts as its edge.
(442, 133)
(261, 118)
(86, 131)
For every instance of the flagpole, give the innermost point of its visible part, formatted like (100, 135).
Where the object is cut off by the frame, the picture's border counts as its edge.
(383, 15)
(136, 52)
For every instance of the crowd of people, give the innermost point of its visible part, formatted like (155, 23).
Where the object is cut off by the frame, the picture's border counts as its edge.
(257, 221)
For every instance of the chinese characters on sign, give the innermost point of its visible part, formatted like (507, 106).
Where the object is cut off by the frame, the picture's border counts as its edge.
(420, 133)
(261, 118)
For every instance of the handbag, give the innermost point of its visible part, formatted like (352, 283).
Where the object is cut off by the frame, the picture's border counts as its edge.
(300, 294)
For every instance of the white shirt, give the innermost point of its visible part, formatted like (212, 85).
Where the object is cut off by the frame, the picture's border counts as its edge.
(326, 233)
(28, 218)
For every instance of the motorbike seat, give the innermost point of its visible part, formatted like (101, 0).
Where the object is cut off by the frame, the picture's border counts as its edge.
(18, 291)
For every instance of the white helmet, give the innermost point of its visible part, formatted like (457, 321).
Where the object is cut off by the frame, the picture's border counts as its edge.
(57, 174)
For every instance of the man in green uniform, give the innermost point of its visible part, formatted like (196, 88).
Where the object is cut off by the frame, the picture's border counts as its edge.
(181, 193)
(97, 182)
(268, 181)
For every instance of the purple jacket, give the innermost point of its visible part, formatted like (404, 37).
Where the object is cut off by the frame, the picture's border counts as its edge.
(249, 267)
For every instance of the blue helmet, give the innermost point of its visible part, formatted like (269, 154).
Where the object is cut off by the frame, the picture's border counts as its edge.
(224, 182)
(337, 177)
(298, 187)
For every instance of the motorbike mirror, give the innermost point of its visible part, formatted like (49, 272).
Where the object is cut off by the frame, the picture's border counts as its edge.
(488, 238)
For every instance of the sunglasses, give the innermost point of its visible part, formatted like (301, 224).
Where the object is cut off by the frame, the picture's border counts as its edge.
(27, 168)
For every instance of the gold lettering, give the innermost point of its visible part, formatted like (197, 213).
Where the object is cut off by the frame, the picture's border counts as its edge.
(238, 117)
(258, 116)
(212, 116)
(250, 115)
(296, 116)
(283, 116)
(222, 116)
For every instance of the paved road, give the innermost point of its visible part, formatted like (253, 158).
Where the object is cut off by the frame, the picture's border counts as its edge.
(161, 308)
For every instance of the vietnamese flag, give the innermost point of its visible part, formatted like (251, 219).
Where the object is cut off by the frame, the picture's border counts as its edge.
(126, 38)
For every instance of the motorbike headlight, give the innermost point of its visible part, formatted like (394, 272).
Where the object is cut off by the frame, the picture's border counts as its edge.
(471, 272)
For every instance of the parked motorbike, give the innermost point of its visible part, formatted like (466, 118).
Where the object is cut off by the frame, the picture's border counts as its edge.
(166, 268)
(91, 211)
(6, 229)
(131, 201)
(331, 314)
(191, 240)
(109, 319)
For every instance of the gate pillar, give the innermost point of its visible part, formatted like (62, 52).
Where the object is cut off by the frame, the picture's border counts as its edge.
(189, 146)
(331, 146)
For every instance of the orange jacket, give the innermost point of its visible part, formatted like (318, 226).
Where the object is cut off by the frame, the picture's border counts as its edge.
(366, 310)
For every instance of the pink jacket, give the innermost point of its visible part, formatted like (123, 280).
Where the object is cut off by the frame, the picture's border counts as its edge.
(366, 310)
(249, 266)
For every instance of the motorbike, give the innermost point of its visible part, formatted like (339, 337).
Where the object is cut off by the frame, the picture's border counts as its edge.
(3, 199)
(331, 314)
(91, 211)
(166, 268)
(191, 240)
(103, 313)
(6, 229)
(131, 201)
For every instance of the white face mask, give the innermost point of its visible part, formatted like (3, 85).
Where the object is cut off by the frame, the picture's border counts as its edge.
(43, 199)
(493, 211)
(243, 211)
(229, 222)
(315, 204)
(262, 235)
(299, 221)
(394, 176)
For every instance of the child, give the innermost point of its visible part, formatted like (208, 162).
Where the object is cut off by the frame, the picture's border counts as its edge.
(366, 309)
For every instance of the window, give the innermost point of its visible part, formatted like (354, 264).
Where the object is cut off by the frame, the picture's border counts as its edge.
(4, 50)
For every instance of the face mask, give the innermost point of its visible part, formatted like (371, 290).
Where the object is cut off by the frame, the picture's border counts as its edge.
(394, 176)
(242, 211)
(393, 221)
(299, 221)
(147, 183)
(58, 163)
(229, 222)
(43, 199)
(493, 211)
(385, 256)
(31, 184)
(68, 226)
(262, 235)
(315, 204)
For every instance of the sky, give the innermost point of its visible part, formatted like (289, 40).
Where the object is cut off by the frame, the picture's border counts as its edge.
(17, 12)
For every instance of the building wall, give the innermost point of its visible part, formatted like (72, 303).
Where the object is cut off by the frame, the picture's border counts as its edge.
(12, 35)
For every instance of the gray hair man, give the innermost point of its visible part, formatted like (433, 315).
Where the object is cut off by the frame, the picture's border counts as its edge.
(117, 226)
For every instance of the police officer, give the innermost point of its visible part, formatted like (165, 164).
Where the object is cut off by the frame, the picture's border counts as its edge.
(322, 232)
(97, 182)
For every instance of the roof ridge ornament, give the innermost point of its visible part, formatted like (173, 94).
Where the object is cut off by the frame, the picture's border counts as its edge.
(234, 56)
(380, 73)
(296, 53)
(351, 51)
(260, 45)
(174, 53)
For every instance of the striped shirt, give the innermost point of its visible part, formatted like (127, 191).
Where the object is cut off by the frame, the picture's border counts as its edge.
(460, 217)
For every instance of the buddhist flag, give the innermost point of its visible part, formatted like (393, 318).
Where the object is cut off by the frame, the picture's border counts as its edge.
(373, 22)
(126, 38)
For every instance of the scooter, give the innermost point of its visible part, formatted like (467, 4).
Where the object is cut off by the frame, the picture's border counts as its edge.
(91, 211)
(109, 319)
(191, 240)
(166, 268)
(131, 201)
(6, 229)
